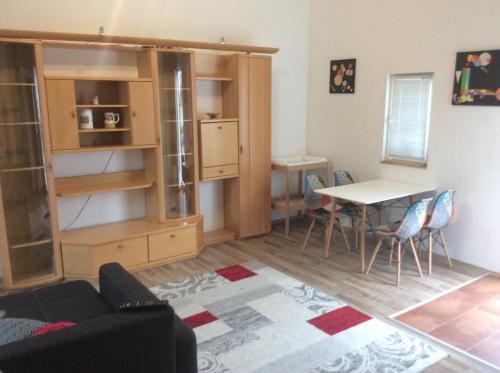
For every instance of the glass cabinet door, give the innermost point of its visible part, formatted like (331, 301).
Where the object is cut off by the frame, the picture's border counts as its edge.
(177, 133)
(23, 183)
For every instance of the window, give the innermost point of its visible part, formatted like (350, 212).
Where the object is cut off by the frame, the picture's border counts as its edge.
(407, 115)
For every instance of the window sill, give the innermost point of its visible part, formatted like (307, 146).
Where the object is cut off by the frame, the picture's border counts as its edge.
(399, 162)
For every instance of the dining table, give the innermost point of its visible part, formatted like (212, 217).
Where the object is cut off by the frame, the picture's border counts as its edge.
(363, 194)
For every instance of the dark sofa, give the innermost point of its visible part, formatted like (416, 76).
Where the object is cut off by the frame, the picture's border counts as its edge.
(104, 339)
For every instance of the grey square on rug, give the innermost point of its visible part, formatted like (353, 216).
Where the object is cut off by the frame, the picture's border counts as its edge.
(253, 318)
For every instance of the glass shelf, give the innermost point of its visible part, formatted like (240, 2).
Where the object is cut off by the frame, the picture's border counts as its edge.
(177, 133)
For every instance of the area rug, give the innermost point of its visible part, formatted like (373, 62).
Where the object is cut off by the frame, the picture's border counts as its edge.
(466, 318)
(253, 318)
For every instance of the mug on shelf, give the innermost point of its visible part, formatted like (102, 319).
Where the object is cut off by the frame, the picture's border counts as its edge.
(85, 119)
(111, 120)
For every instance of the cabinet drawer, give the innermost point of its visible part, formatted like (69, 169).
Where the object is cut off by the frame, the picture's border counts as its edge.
(219, 143)
(172, 243)
(220, 172)
(128, 253)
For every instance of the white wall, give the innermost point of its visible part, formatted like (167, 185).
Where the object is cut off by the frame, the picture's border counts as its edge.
(277, 23)
(405, 36)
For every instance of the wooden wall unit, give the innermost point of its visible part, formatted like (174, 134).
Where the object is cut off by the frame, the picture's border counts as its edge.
(158, 116)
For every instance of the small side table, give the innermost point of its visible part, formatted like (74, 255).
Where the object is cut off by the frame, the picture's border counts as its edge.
(295, 203)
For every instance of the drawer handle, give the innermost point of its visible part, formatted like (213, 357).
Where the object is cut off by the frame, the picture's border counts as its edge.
(221, 171)
(172, 235)
(120, 246)
(73, 115)
(133, 113)
(219, 127)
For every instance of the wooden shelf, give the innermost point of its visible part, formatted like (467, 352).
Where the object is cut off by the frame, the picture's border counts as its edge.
(107, 78)
(103, 148)
(101, 183)
(175, 89)
(216, 78)
(218, 120)
(221, 235)
(101, 106)
(174, 121)
(93, 130)
(18, 84)
(296, 203)
(106, 233)
(178, 185)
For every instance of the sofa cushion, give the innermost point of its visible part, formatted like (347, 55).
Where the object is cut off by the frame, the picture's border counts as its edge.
(73, 301)
(13, 330)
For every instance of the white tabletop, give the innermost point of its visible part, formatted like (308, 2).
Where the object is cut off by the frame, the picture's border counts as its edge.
(374, 191)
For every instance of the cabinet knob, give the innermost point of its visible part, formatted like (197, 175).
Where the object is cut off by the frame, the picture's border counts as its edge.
(133, 113)
(219, 127)
(172, 235)
(221, 171)
(120, 246)
(73, 114)
(241, 149)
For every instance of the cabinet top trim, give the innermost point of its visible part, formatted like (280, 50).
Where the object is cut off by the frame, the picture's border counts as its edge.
(133, 40)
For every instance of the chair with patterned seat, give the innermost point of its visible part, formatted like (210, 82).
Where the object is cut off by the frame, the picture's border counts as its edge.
(402, 232)
(440, 216)
(317, 208)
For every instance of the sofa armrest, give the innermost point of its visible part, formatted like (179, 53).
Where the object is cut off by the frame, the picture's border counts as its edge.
(117, 286)
(121, 342)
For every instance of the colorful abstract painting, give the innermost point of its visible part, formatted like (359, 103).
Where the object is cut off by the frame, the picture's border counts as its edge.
(477, 78)
(342, 76)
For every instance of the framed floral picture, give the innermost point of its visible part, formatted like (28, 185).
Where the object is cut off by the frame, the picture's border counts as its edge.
(342, 75)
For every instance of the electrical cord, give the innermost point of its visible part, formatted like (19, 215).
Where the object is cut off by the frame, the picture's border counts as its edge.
(80, 212)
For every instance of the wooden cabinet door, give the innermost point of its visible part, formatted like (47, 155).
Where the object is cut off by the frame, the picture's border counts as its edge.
(142, 113)
(63, 123)
(219, 143)
(259, 102)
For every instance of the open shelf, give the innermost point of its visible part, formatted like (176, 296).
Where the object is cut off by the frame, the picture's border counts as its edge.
(178, 155)
(100, 106)
(108, 78)
(179, 185)
(175, 89)
(217, 78)
(17, 84)
(101, 183)
(20, 124)
(20, 169)
(219, 120)
(103, 148)
(296, 203)
(91, 130)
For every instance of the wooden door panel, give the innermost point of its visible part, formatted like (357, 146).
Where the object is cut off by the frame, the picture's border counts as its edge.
(142, 113)
(63, 123)
(219, 143)
(259, 98)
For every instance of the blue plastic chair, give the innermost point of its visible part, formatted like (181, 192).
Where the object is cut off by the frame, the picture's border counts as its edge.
(315, 209)
(401, 232)
(441, 214)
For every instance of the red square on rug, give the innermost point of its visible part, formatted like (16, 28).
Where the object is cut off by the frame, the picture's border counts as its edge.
(338, 320)
(235, 273)
(200, 319)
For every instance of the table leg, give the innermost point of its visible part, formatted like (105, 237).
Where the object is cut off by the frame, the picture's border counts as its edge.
(381, 214)
(410, 200)
(300, 187)
(329, 229)
(362, 238)
(287, 205)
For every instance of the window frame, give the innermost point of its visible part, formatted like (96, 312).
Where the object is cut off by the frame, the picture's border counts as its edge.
(406, 161)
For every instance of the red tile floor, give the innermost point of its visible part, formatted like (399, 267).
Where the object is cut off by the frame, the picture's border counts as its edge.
(467, 318)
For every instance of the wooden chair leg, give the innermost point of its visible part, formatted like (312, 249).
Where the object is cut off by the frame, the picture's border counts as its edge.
(421, 236)
(445, 247)
(415, 256)
(345, 237)
(392, 250)
(331, 234)
(309, 233)
(430, 252)
(372, 259)
(398, 260)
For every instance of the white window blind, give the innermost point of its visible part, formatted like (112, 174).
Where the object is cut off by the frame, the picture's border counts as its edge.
(407, 118)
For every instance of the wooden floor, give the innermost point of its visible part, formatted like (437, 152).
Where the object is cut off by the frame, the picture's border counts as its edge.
(338, 275)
